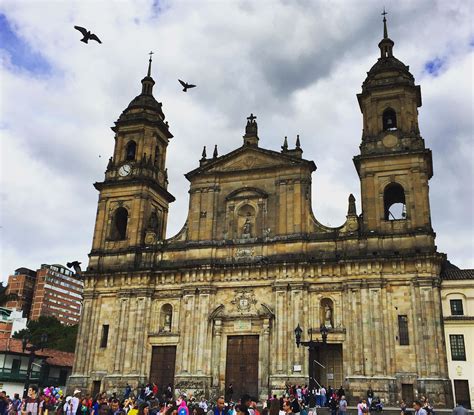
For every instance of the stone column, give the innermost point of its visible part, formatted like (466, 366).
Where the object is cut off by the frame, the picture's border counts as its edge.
(389, 332)
(187, 329)
(93, 339)
(216, 353)
(121, 334)
(265, 357)
(432, 356)
(281, 207)
(356, 333)
(82, 337)
(348, 350)
(142, 331)
(131, 333)
(280, 314)
(417, 324)
(295, 357)
(143, 355)
(367, 331)
(378, 348)
(442, 362)
(202, 330)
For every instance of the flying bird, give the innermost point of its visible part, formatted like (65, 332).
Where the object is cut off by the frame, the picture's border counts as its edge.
(76, 265)
(87, 35)
(186, 85)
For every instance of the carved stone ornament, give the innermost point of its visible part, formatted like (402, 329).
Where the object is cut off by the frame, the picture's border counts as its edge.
(244, 300)
(244, 252)
(150, 237)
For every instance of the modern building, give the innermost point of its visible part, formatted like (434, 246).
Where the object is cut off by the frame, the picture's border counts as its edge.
(50, 367)
(22, 285)
(58, 293)
(457, 292)
(219, 302)
(11, 321)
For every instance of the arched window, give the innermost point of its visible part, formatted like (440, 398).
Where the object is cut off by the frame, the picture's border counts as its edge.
(130, 150)
(394, 202)
(389, 119)
(119, 224)
(166, 316)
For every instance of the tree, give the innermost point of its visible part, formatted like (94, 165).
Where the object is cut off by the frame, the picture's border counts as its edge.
(60, 336)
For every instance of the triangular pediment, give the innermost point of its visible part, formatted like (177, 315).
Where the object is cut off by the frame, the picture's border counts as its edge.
(248, 158)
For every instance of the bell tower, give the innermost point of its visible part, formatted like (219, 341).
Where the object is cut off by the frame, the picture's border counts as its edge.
(394, 165)
(133, 199)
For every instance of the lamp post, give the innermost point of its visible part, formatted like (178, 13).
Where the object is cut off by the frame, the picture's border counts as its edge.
(312, 345)
(32, 348)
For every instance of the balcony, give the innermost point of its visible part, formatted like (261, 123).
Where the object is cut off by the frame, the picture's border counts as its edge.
(19, 375)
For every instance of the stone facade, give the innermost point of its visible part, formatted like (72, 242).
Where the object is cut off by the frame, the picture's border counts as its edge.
(252, 260)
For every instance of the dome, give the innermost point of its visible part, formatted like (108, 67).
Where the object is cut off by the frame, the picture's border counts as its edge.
(388, 70)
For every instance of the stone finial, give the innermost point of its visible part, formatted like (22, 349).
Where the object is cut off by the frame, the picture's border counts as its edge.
(298, 144)
(204, 155)
(148, 82)
(386, 44)
(351, 211)
(251, 131)
(284, 147)
(215, 153)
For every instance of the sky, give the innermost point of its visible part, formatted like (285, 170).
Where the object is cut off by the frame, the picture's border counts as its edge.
(297, 65)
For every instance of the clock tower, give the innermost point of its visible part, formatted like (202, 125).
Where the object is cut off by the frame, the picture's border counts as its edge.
(133, 200)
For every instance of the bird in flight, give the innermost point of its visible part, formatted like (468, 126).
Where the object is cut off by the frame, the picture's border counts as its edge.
(76, 265)
(87, 35)
(186, 85)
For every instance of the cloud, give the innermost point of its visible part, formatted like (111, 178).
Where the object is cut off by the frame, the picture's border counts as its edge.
(296, 65)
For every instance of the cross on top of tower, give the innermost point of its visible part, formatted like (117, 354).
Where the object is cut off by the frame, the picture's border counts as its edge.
(149, 63)
(251, 118)
(385, 32)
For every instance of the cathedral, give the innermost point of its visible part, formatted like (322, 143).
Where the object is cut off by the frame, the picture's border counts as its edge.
(253, 291)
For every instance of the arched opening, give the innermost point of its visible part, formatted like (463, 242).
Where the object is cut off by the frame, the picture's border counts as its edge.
(166, 316)
(394, 202)
(389, 119)
(119, 224)
(327, 313)
(130, 150)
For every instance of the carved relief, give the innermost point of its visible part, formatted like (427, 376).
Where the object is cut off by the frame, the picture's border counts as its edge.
(244, 300)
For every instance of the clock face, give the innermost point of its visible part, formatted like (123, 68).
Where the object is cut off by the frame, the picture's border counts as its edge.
(125, 170)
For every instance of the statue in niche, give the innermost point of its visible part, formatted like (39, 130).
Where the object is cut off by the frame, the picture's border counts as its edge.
(328, 316)
(247, 229)
(167, 323)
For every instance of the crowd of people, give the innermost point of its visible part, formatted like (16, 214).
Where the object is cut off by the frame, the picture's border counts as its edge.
(149, 400)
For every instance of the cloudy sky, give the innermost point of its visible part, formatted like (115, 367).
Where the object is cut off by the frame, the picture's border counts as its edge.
(297, 65)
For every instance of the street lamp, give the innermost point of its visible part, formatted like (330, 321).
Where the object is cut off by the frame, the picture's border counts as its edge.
(32, 348)
(312, 345)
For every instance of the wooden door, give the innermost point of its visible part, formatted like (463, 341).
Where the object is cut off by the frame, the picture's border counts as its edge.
(331, 357)
(242, 365)
(407, 394)
(163, 359)
(95, 388)
(461, 393)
